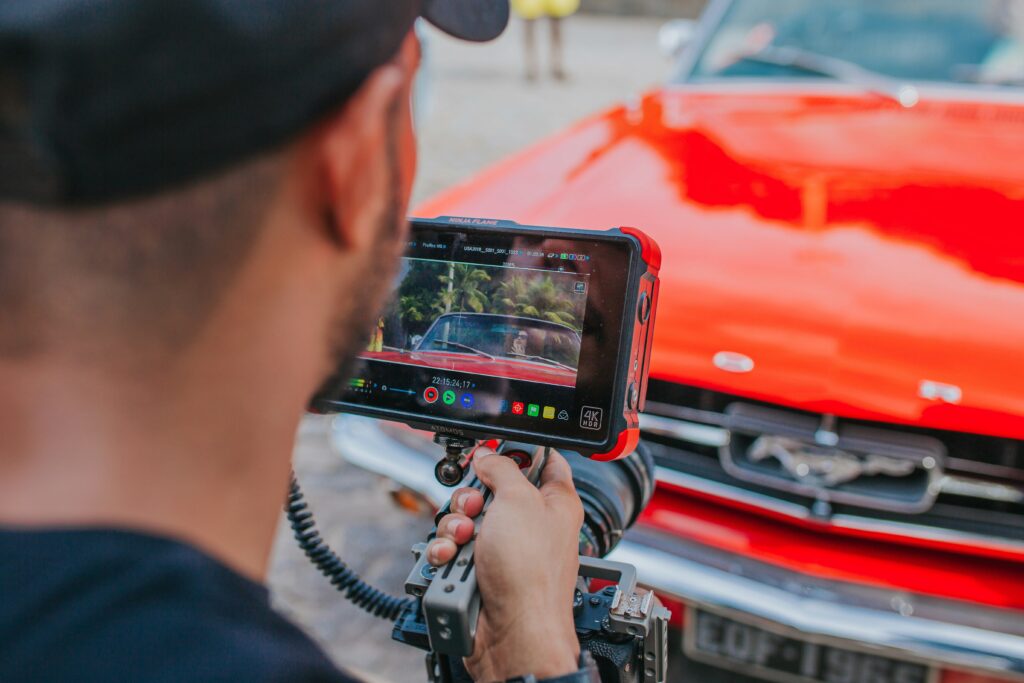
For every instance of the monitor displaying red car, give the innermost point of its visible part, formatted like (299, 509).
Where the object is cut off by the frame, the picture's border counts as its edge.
(538, 334)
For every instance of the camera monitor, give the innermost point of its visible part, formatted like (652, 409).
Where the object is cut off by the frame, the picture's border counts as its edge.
(541, 335)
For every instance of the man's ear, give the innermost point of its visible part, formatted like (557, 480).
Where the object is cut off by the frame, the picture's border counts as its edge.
(352, 152)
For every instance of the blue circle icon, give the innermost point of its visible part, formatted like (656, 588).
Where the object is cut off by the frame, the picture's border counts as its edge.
(467, 400)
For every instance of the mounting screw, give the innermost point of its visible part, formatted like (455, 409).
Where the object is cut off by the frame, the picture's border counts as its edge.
(448, 472)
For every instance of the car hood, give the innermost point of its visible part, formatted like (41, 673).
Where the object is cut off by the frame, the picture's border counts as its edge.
(869, 258)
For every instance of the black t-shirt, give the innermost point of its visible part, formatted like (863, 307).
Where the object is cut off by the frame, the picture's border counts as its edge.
(104, 605)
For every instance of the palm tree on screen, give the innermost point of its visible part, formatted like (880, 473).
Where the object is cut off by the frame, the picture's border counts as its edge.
(463, 289)
(537, 297)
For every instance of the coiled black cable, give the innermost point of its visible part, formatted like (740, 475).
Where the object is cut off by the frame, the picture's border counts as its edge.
(374, 601)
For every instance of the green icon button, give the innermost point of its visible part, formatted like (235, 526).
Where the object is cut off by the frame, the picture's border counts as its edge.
(448, 397)
(533, 410)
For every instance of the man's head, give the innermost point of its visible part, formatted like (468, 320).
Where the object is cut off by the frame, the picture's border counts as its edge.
(201, 202)
(136, 281)
(163, 171)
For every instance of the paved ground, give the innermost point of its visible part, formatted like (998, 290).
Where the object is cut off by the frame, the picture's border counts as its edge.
(479, 110)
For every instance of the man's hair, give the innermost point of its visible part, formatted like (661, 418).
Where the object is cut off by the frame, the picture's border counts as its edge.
(145, 272)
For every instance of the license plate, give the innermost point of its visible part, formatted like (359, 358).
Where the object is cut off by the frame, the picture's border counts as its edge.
(754, 651)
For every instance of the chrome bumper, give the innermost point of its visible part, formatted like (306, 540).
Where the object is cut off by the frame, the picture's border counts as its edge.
(941, 632)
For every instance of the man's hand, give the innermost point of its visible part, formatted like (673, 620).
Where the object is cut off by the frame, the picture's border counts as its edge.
(527, 558)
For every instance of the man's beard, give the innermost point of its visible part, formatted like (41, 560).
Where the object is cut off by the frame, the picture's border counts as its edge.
(359, 307)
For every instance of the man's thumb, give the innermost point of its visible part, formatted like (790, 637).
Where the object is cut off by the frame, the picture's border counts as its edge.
(499, 473)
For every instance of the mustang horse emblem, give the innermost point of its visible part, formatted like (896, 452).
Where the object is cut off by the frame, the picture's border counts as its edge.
(825, 467)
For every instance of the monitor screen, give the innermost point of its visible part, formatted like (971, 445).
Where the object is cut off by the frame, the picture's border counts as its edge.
(497, 329)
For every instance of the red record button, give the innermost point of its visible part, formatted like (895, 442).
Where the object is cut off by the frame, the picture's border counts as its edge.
(520, 458)
(430, 394)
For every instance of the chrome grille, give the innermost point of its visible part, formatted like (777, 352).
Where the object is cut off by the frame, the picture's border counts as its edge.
(979, 497)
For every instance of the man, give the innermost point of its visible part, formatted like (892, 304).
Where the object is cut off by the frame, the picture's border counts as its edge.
(202, 204)
(531, 12)
(519, 343)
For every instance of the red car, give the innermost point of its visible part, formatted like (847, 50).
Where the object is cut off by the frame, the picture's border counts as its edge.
(837, 402)
(509, 346)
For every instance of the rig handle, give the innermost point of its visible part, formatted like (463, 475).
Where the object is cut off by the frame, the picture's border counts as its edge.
(451, 601)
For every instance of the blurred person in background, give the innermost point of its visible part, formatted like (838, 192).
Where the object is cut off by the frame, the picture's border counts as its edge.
(532, 11)
(202, 203)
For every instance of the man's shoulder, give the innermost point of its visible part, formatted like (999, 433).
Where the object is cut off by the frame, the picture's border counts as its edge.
(112, 605)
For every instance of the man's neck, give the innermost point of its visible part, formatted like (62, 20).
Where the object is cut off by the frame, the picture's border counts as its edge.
(180, 456)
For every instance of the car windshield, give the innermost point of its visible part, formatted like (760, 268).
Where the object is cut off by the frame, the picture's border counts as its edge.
(951, 41)
(504, 337)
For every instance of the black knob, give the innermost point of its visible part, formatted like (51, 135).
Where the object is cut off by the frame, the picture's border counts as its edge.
(643, 308)
(448, 472)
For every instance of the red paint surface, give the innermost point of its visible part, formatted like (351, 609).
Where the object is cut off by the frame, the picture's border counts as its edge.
(478, 365)
(851, 247)
(822, 553)
(947, 545)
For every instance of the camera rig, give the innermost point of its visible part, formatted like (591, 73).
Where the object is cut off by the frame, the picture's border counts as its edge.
(623, 627)
(597, 369)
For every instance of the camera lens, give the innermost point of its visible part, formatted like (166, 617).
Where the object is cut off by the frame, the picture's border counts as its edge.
(613, 494)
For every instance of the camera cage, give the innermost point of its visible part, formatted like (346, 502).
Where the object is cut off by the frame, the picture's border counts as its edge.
(624, 626)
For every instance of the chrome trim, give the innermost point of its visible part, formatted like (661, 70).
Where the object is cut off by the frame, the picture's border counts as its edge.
(908, 626)
(984, 469)
(684, 481)
(690, 482)
(362, 442)
(852, 616)
(707, 25)
(693, 432)
(969, 487)
(683, 414)
(717, 436)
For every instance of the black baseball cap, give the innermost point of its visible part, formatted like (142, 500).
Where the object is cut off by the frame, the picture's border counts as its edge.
(101, 100)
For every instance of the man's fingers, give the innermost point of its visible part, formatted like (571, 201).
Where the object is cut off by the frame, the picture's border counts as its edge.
(441, 551)
(467, 501)
(499, 473)
(455, 527)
